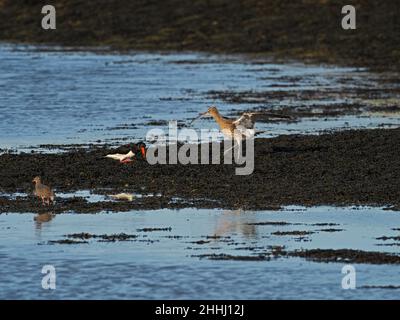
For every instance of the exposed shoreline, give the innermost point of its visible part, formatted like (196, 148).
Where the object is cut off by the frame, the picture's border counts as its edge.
(355, 167)
(302, 30)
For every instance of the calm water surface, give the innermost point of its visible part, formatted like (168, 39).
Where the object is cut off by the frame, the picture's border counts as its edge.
(163, 264)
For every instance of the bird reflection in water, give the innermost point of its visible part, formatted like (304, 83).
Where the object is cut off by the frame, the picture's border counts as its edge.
(43, 218)
(234, 222)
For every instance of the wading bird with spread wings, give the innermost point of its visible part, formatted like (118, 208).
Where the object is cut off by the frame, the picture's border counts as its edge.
(236, 129)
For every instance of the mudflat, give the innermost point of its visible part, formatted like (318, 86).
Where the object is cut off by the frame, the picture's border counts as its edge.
(354, 167)
(306, 30)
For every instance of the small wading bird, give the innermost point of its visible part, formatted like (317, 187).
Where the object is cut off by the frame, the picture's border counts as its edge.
(237, 129)
(43, 192)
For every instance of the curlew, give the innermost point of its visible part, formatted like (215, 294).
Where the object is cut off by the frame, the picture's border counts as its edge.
(238, 129)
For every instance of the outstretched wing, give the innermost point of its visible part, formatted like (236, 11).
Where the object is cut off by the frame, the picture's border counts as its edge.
(245, 121)
(245, 124)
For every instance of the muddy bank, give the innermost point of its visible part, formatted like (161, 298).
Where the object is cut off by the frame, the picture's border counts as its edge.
(359, 167)
(315, 255)
(357, 102)
(81, 205)
(347, 256)
(308, 30)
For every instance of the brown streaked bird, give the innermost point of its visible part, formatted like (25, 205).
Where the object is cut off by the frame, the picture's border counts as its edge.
(43, 192)
(237, 129)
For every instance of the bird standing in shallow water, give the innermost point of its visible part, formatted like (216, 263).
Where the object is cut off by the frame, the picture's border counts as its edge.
(42, 191)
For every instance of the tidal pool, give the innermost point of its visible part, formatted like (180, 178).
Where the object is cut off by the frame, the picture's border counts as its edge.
(162, 261)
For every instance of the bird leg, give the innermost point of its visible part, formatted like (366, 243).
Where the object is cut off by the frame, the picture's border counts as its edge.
(234, 142)
(127, 160)
(239, 145)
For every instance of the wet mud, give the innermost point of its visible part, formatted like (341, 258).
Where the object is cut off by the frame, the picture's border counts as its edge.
(314, 255)
(390, 287)
(307, 30)
(224, 256)
(292, 233)
(311, 104)
(87, 238)
(357, 167)
(169, 229)
(346, 256)
(330, 230)
(103, 237)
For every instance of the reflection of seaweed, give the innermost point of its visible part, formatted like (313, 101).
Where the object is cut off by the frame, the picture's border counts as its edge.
(66, 241)
(316, 255)
(103, 237)
(223, 256)
(389, 286)
(347, 255)
(292, 233)
(83, 237)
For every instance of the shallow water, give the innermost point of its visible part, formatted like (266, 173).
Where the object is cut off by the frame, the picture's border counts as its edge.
(52, 96)
(162, 265)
